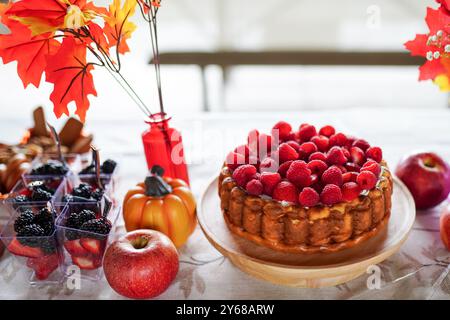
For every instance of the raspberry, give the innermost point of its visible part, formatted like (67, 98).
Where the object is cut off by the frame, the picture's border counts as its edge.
(268, 165)
(306, 132)
(243, 174)
(375, 154)
(243, 150)
(294, 145)
(285, 191)
(352, 167)
(362, 144)
(252, 141)
(346, 153)
(327, 131)
(330, 194)
(338, 139)
(254, 187)
(308, 197)
(321, 142)
(350, 140)
(270, 181)
(308, 148)
(286, 153)
(350, 191)
(234, 160)
(318, 156)
(349, 177)
(336, 156)
(299, 174)
(341, 168)
(357, 155)
(366, 180)
(284, 168)
(332, 175)
(314, 179)
(372, 166)
(317, 166)
(283, 129)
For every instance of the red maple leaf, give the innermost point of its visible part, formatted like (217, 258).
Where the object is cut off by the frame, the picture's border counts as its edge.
(29, 52)
(418, 46)
(72, 78)
(431, 69)
(444, 3)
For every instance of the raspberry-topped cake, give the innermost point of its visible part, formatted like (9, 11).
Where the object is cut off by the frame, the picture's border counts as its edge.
(305, 190)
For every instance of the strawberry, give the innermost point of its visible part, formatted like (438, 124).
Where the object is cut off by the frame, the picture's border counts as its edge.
(87, 263)
(299, 174)
(283, 129)
(285, 191)
(75, 248)
(375, 154)
(268, 165)
(44, 266)
(254, 187)
(372, 166)
(331, 194)
(349, 177)
(306, 132)
(336, 156)
(15, 247)
(243, 174)
(93, 246)
(338, 139)
(327, 131)
(234, 160)
(270, 181)
(350, 191)
(308, 197)
(282, 170)
(366, 180)
(321, 142)
(357, 155)
(332, 175)
(286, 153)
(308, 148)
(362, 144)
(318, 156)
(317, 166)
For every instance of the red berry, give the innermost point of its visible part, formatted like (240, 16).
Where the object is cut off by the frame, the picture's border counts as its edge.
(268, 165)
(308, 148)
(294, 145)
(350, 191)
(244, 174)
(327, 131)
(252, 141)
(299, 174)
(254, 187)
(244, 150)
(336, 156)
(234, 160)
(331, 194)
(338, 139)
(318, 156)
(321, 142)
(350, 140)
(314, 179)
(308, 197)
(286, 153)
(264, 145)
(362, 144)
(306, 132)
(270, 181)
(283, 129)
(352, 167)
(349, 177)
(285, 191)
(366, 180)
(332, 175)
(375, 154)
(317, 166)
(284, 168)
(357, 155)
(372, 166)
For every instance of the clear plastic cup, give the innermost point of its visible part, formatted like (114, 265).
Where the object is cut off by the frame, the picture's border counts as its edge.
(73, 162)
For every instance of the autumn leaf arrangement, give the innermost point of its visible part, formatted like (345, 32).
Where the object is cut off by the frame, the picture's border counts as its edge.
(66, 39)
(434, 46)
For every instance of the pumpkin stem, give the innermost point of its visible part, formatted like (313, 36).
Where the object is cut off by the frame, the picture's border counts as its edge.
(155, 186)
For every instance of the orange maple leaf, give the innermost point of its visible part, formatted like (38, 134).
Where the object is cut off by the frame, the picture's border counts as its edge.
(118, 28)
(72, 78)
(29, 52)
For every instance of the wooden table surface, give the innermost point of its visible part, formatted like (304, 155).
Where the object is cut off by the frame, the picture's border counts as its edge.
(420, 270)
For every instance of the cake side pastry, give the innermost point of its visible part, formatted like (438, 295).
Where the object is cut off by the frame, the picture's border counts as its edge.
(304, 208)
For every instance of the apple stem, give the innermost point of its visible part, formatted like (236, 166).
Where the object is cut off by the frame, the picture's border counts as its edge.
(139, 243)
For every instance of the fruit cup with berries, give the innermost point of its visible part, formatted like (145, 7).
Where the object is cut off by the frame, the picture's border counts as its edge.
(84, 231)
(108, 176)
(30, 236)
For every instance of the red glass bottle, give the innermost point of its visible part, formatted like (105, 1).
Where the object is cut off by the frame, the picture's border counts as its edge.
(163, 146)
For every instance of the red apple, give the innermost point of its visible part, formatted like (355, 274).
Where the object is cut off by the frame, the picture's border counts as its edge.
(445, 226)
(427, 176)
(141, 264)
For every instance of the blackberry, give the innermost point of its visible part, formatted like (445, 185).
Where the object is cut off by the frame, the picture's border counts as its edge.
(97, 194)
(48, 227)
(50, 168)
(100, 226)
(21, 199)
(40, 195)
(32, 232)
(83, 190)
(90, 169)
(76, 220)
(108, 166)
(25, 218)
(43, 217)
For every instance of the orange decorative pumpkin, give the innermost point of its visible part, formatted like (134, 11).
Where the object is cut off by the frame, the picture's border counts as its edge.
(163, 204)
